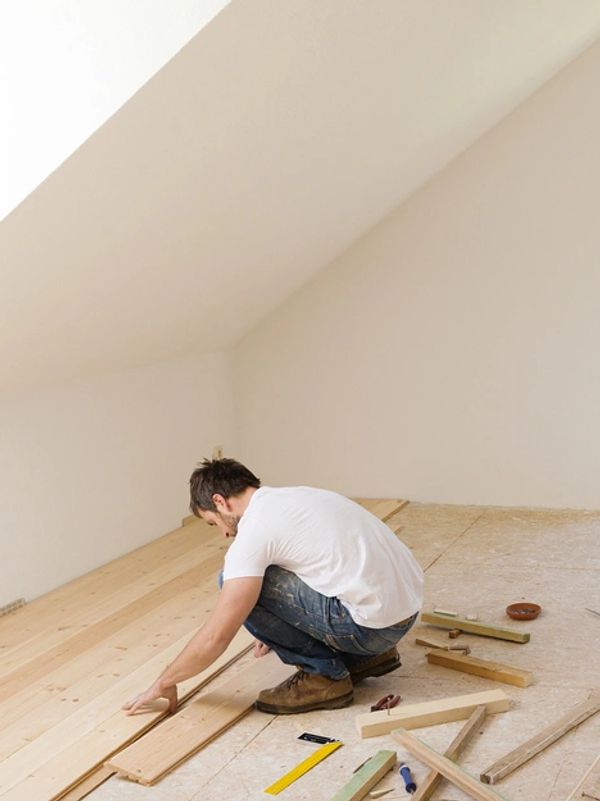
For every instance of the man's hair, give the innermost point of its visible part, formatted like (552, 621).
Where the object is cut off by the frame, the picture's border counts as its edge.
(224, 477)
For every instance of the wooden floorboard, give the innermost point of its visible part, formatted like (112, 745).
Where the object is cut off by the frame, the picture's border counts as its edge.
(71, 659)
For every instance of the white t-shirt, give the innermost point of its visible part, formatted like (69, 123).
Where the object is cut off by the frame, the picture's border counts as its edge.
(335, 546)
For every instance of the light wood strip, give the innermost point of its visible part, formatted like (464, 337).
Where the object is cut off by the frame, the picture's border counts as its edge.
(30, 669)
(165, 747)
(589, 786)
(54, 608)
(81, 613)
(102, 725)
(463, 780)
(383, 508)
(430, 713)
(85, 787)
(473, 627)
(496, 671)
(367, 777)
(548, 735)
(33, 710)
(429, 785)
(108, 604)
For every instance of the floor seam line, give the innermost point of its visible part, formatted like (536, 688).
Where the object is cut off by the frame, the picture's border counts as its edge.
(462, 534)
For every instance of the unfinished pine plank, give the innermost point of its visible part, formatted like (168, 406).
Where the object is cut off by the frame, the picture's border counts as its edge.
(429, 642)
(460, 778)
(430, 713)
(85, 787)
(589, 786)
(496, 671)
(367, 777)
(149, 586)
(102, 725)
(56, 607)
(383, 508)
(473, 627)
(428, 786)
(39, 665)
(35, 709)
(177, 738)
(548, 735)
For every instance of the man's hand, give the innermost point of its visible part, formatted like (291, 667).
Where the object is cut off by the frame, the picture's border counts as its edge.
(260, 649)
(152, 694)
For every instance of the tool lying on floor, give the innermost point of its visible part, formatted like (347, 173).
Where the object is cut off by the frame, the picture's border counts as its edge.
(387, 702)
(303, 767)
(409, 783)
(316, 738)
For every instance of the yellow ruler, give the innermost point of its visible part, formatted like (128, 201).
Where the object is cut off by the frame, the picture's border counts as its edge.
(302, 767)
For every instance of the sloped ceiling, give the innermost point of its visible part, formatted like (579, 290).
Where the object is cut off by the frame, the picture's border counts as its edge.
(280, 134)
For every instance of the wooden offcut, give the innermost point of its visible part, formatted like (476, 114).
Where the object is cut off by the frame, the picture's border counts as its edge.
(474, 627)
(429, 642)
(430, 713)
(367, 777)
(163, 748)
(496, 671)
(383, 508)
(428, 786)
(550, 734)
(460, 778)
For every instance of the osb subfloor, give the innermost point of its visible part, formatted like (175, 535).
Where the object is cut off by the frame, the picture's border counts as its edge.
(477, 560)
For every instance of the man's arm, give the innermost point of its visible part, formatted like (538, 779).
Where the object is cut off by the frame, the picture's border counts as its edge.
(237, 599)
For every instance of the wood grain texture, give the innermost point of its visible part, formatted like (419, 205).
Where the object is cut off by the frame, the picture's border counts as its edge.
(67, 753)
(367, 777)
(429, 785)
(460, 778)
(474, 627)
(496, 671)
(430, 713)
(177, 738)
(383, 508)
(85, 787)
(548, 735)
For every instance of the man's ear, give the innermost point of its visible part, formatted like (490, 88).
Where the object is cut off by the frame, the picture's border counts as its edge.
(219, 502)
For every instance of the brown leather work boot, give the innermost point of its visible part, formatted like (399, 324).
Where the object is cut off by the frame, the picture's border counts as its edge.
(303, 692)
(376, 666)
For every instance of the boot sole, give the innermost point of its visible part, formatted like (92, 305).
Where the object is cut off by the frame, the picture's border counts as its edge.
(334, 703)
(379, 670)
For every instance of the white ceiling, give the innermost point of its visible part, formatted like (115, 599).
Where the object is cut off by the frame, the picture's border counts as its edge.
(280, 134)
(66, 67)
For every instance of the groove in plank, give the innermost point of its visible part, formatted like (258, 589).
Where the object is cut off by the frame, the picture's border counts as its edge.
(428, 786)
(60, 694)
(110, 603)
(88, 638)
(56, 607)
(497, 671)
(473, 627)
(367, 777)
(101, 725)
(430, 713)
(85, 787)
(463, 780)
(550, 734)
(168, 745)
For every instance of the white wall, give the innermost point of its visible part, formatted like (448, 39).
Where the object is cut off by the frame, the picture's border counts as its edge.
(92, 469)
(452, 354)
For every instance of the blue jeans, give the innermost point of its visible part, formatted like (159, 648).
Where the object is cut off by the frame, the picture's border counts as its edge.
(312, 631)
